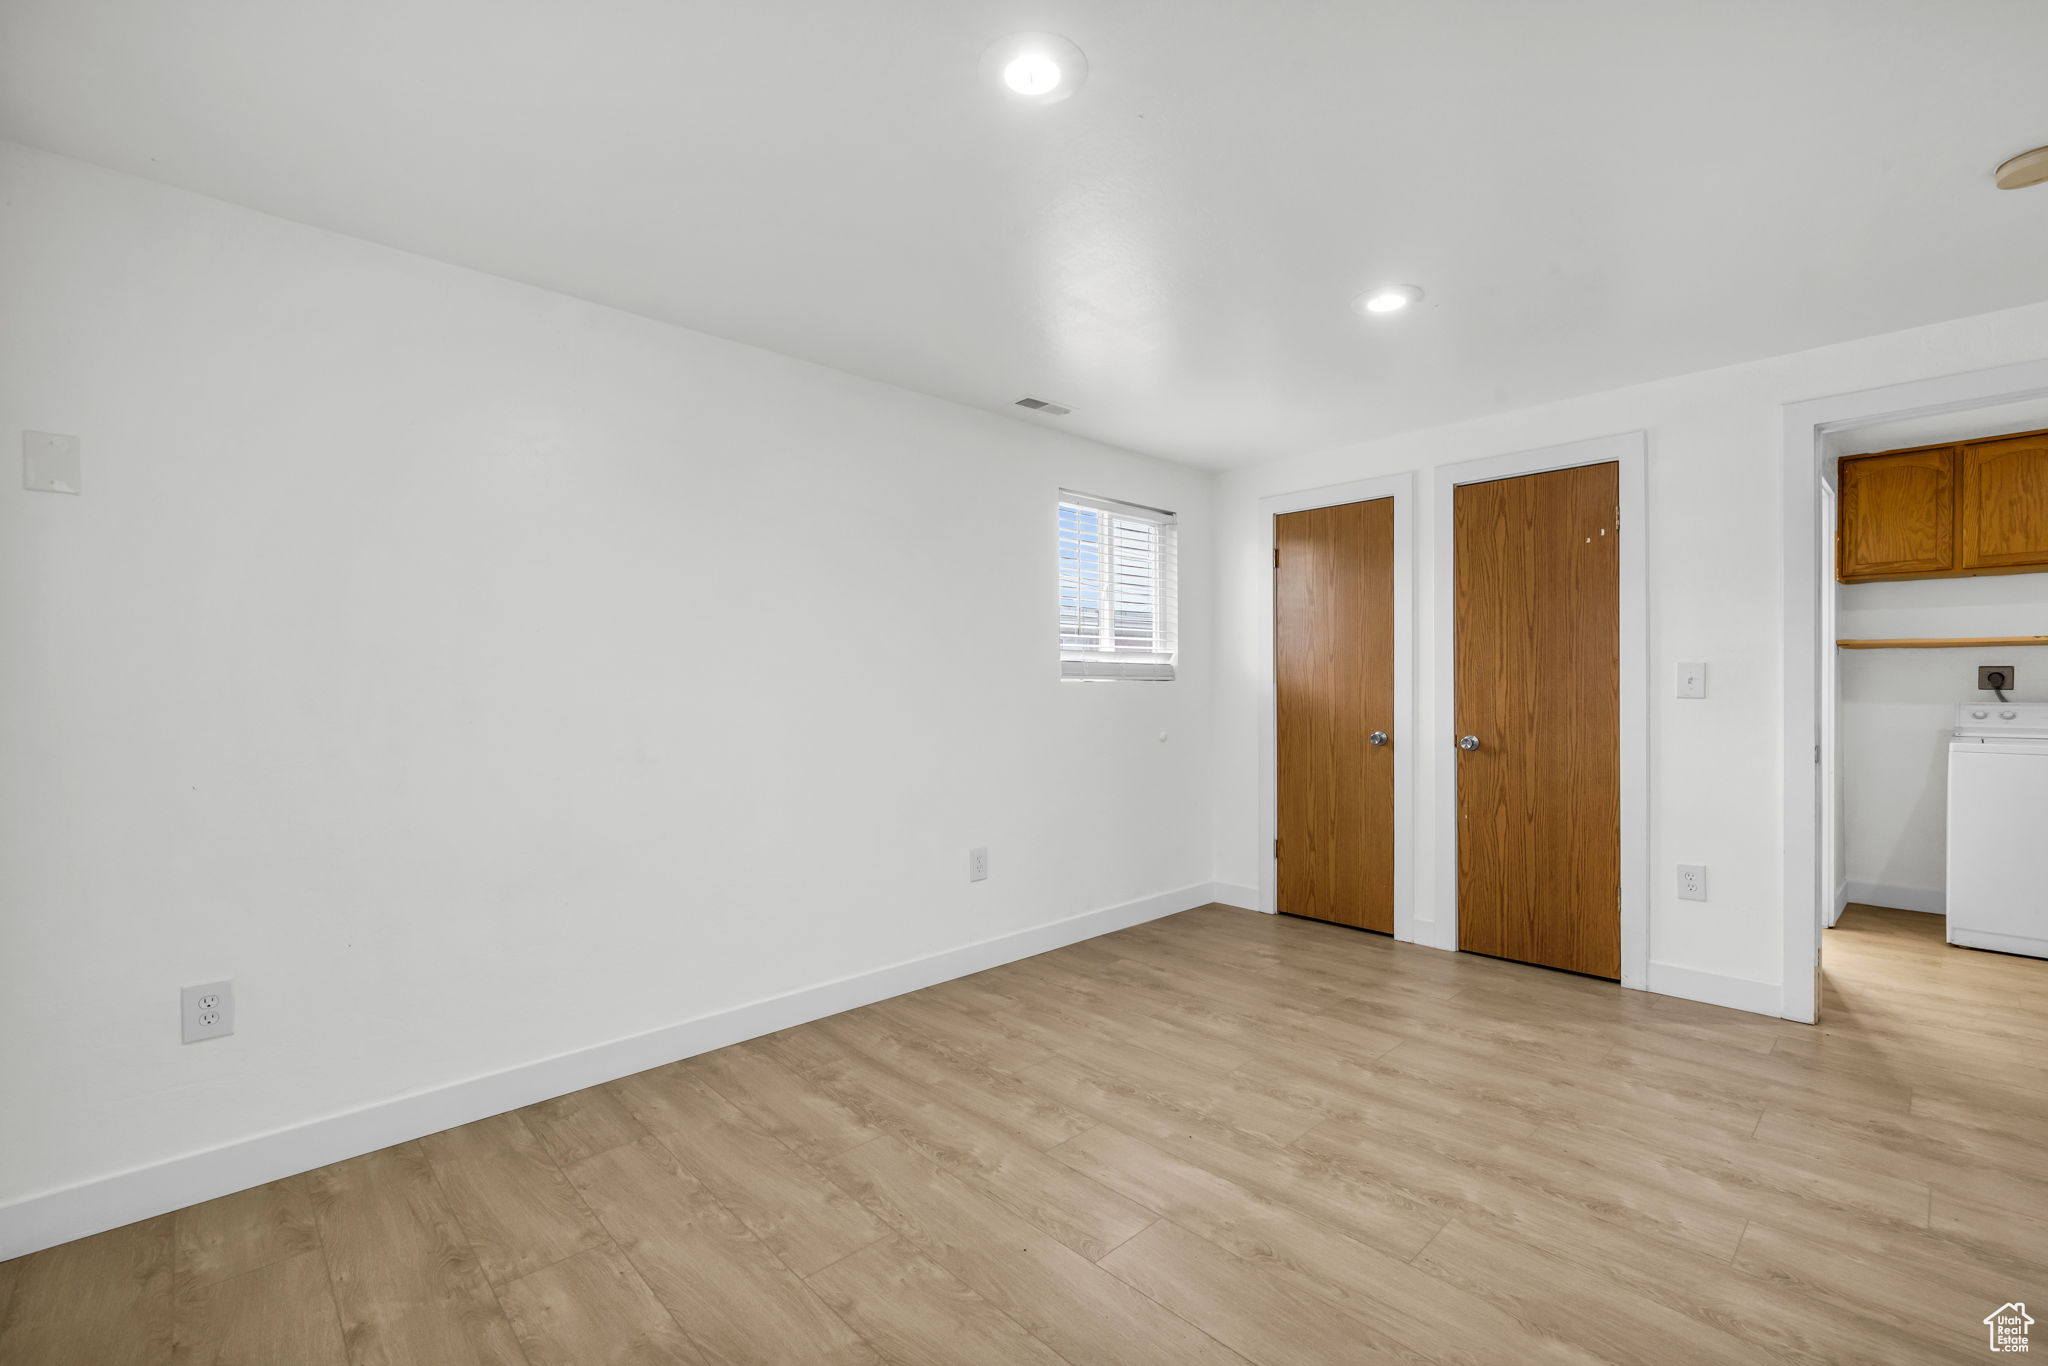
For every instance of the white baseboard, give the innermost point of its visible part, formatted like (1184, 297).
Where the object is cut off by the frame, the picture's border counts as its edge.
(1231, 894)
(1737, 993)
(1433, 934)
(1932, 901)
(44, 1220)
(2027, 944)
(1842, 900)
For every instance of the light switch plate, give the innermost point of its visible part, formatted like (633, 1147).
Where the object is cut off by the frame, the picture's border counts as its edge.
(49, 463)
(1692, 679)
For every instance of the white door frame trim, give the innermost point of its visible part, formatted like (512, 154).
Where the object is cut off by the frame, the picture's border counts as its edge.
(1803, 426)
(1400, 488)
(1630, 451)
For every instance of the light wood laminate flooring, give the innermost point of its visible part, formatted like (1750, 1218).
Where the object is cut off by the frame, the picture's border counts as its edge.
(1219, 1137)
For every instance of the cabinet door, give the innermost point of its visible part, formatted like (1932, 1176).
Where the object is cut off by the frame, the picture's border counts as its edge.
(2005, 503)
(1898, 515)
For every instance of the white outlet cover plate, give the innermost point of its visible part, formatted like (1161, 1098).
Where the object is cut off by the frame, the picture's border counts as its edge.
(207, 1010)
(49, 463)
(1693, 887)
(977, 865)
(1692, 679)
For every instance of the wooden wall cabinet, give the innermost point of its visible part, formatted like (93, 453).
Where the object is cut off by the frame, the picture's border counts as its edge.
(1898, 515)
(1944, 511)
(2003, 486)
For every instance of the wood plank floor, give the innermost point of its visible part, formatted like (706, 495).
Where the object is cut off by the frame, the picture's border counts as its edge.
(1220, 1137)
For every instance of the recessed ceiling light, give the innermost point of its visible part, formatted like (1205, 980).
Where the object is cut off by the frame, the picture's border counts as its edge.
(1037, 68)
(1034, 73)
(1387, 299)
(2028, 168)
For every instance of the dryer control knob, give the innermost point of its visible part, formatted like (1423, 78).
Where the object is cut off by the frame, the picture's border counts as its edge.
(2007, 715)
(1979, 715)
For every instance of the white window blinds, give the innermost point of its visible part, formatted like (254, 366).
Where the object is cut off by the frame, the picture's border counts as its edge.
(1117, 589)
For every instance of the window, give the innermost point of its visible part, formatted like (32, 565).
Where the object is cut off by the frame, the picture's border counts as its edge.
(1117, 585)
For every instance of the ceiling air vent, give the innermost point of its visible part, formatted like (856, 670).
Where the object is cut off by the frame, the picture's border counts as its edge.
(1039, 405)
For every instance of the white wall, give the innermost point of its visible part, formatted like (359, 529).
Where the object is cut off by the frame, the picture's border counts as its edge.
(1896, 712)
(473, 674)
(1715, 594)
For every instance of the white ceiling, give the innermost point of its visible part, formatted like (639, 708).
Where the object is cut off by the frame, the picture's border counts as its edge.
(1594, 192)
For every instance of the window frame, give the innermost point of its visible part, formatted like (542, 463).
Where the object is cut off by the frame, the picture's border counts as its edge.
(1115, 664)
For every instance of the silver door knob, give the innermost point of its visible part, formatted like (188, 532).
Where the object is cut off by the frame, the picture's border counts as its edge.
(1468, 742)
(1378, 737)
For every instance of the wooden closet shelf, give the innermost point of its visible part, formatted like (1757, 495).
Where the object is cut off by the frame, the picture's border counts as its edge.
(1941, 643)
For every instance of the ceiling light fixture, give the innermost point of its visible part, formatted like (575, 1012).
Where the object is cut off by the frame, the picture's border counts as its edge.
(2028, 168)
(1387, 299)
(1036, 68)
(1034, 73)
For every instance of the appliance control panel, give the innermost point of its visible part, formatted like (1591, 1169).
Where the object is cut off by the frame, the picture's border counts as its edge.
(2002, 720)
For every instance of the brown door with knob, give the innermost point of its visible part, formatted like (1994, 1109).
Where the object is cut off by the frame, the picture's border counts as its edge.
(1538, 724)
(1333, 669)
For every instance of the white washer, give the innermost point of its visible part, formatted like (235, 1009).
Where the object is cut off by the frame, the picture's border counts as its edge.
(1998, 827)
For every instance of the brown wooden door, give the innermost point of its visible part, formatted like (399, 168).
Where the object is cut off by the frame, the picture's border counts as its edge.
(1333, 668)
(1898, 515)
(2005, 503)
(1539, 685)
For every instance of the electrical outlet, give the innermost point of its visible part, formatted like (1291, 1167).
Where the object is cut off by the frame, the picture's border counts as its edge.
(977, 865)
(208, 1010)
(1692, 882)
(2002, 677)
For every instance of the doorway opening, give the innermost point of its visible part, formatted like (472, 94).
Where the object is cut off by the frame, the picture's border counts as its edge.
(1933, 708)
(1866, 782)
